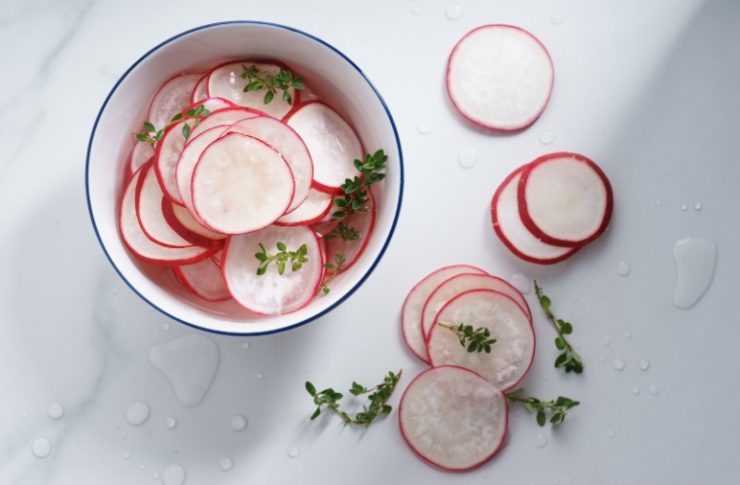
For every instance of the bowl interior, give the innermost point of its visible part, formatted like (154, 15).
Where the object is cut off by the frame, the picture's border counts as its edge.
(330, 74)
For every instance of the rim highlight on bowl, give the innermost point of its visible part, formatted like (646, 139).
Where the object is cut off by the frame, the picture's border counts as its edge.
(339, 80)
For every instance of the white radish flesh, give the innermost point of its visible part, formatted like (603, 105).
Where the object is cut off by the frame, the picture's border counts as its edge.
(500, 77)
(149, 210)
(172, 98)
(185, 217)
(272, 293)
(140, 154)
(240, 184)
(312, 210)
(511, 355)
(226, 116)
(204, 279)
(453, 418)
(168, 153)
(200, 91)
(189, 157)
(225, 81)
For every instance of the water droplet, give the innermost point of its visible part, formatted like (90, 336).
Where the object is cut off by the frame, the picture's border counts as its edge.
(541, 441)
(155, 476)
(170, 422)
(365, 454)
(453, 11)
(189, 377)
(627, 334)
(602, 359)
(127, 455)
(611, 433)
(114, 291)
(238, 422)
(684, 207)
(695, 261)
(658, 202)
(521, 283)
(293, 452)
(618, 364)
(654, 390)
(635, 390)
(416, 9)
(137, 413)
(55, 411)
(225, 463)
(245, 345)
(425, 127)
(547, 137)
(467, 158)
(644, 364)
(556, 19)
(698, 206)
(26, 415)
(142, 467)
(166, 327)
(623, 268)
(174, 475)
(607, 341)
(41, 447)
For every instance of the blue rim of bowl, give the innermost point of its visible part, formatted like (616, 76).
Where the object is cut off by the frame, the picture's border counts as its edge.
(359, 71)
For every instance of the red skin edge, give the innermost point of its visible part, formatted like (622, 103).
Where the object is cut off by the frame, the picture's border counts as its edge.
(316, 287)
(199, 216)
(496, 449)
(307, 222)
(481, 123)
(203, 79)
(505, 240)
(157, 262)
(425, 359)
(137, 199)
(183, 231)
(532, 226)
(182, 279)
(149, 106)
(525, 309)
(531, 330)
(297, 92)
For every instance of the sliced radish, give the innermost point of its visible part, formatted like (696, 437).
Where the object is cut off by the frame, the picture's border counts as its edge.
(226, 81)
(203, 278)
(193, 237)
(461, 283)
(149, 210)
(331, 141)
(143, 247)
(240, 184)
(565, 199)
(500, 77)
(185, 218)
(172, 98)
(350, 250)
(213, 104)
(511, 230)
(272, 293)
(140, 154)
(189, 157)
(414, 302)
(453, 418)
(286, 141)
(511, 355)
(227, 116)
(200, 91)
(311, 211)
(168, 153)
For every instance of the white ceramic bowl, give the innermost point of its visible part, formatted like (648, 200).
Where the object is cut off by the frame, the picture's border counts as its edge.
(329, 72)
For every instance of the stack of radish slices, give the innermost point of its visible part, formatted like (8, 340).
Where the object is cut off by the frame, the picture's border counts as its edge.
(454, 415)
(221, 172)
(548, 209)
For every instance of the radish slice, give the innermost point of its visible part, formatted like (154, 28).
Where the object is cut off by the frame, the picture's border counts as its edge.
(226, 116)
(565, 199)
(312, 210)
(167, 154)
(143, 247)
(191, 236)
(172, 98)
(287, 142)
(200, 91)
(513, 234)
(203, 278)
(500, 77)
(331, 141)
(511, 355)
(458, 284)
(185, 218)
(240, 184)
(140, 154)
(226, 81)
(149, 211)
(414, 302)
(189, 157)
(350, 250)
(272, 293)
(453, 418)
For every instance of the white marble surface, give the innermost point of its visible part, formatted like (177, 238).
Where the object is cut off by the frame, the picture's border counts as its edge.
(649, 89)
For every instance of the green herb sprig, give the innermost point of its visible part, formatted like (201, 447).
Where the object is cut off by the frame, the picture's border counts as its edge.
(151, 134)
(258, 80)
(473, 339)
(557, 409)
(296, 258)
(568, 358)
(333, 268)
(377, 406)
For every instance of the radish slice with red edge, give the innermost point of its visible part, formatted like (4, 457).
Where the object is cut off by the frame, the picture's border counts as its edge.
(512, 353)
(331, 141)
(412, 306)
(514, 235)
(565, 199)
(311, 211)
(285, 141)
(226, 116)
(168, 209)
(184, 217)
(149, 211)
(141, 153)
(226, 81)
(457, 284)
(500, 77)
(240, 184)
(272, 293)
(172, 98)
(453, 418)
(204, 279)
(200, 91)
(144, 248)
(189, 157)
